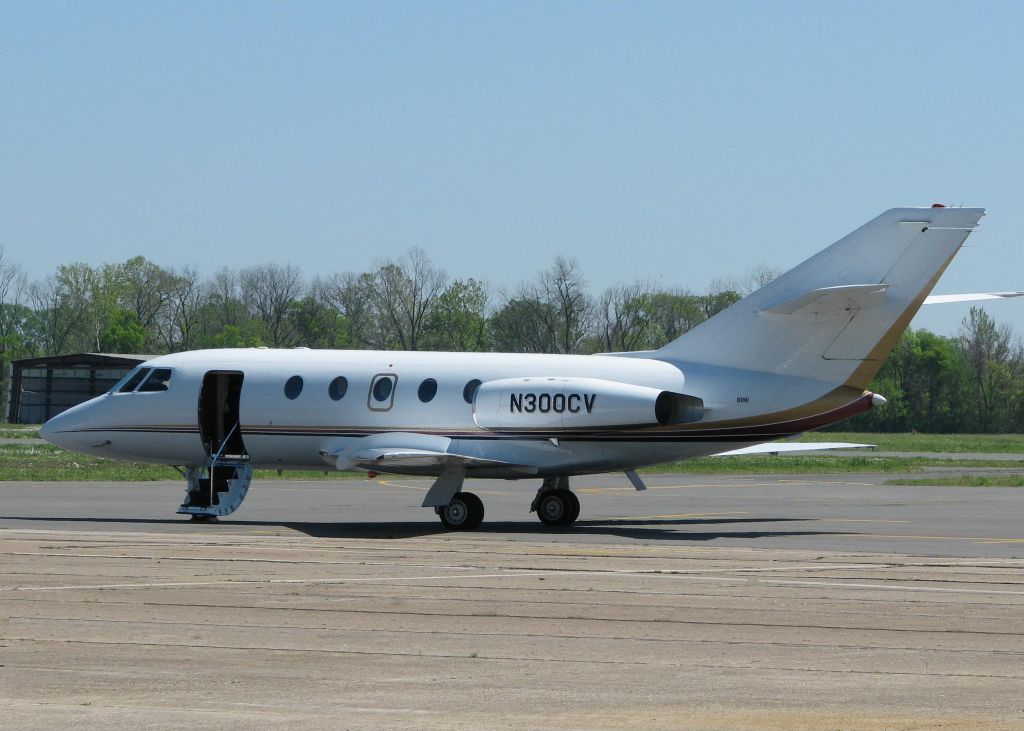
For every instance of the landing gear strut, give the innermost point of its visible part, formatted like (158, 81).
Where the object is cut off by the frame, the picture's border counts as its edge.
(556, 504)
(465, 511)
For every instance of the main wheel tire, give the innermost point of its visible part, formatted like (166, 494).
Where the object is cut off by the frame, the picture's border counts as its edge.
(575, 512)
(476, 511)
(464, 512)
(555, 508)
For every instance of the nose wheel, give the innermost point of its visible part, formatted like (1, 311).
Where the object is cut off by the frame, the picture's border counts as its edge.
(464, 512)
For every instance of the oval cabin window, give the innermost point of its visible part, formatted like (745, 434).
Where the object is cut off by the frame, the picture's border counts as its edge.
(293, 387)
(470, 390)
(382, 388)
(382, 392)
(338, 388)
(428, 389)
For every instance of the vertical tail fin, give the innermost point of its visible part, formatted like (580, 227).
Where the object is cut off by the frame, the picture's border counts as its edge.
(837, 316)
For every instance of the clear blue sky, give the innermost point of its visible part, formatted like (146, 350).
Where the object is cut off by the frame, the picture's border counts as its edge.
(679, 142)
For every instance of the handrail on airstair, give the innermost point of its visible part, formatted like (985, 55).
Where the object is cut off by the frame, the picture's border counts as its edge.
(213, 460)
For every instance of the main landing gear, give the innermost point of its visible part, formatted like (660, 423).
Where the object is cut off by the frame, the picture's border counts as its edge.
(556, 505)
(464, 512)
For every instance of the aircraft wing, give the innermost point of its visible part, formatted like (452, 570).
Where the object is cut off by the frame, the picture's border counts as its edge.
(940, 299)
(778, 447)
(398, 451)
(385, 459)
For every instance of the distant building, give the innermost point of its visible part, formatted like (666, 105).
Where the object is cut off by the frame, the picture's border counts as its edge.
(43, 387)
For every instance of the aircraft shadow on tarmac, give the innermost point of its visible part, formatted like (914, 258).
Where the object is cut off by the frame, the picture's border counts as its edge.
(634, 528)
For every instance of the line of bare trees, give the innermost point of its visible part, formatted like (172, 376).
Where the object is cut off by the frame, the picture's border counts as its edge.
(407, 303)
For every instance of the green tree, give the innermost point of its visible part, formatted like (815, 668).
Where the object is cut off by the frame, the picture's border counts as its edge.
(14, 317)
(123, 334)
(522, 325)
(248, 335)
(551, 314)
(270, 292)
(65, 320)
(713, 303)
(934, 381)
(180, 324)
(994, 366)
(458, 320)
(222, 319)
(626, 318)
(673, 313)
(316, 325)
(405, 294)
(143, 288)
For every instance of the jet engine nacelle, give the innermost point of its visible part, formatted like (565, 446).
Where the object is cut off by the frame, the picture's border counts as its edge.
(578, 403)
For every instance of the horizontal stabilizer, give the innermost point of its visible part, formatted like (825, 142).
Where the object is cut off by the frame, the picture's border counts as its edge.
(776, 448)
(941, 299)
(832, 300)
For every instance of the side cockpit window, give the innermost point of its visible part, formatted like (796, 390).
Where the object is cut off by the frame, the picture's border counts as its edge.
(131, 381)
(158, 380)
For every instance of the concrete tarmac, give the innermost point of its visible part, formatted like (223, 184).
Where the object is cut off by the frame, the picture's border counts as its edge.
(726, 602)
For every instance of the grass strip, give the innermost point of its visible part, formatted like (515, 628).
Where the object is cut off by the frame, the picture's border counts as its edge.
(948, 443)
(46, 463)
(963, 481)
(802, 464)
(9, 431)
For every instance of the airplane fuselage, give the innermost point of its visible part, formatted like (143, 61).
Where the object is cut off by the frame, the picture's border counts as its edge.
(294, 413)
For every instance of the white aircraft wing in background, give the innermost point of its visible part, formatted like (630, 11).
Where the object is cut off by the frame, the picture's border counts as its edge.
(776, 448)
(941, 299)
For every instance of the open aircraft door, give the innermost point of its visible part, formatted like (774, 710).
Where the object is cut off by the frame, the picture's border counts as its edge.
(218, 486)
(219, 419)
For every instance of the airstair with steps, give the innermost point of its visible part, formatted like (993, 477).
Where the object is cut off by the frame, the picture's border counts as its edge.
(219, 487)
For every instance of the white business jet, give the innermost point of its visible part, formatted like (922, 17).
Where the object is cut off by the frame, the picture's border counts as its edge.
(794, 356)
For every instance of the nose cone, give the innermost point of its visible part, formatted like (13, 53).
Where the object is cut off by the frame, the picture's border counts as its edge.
(46, 430)
(68, 428)
(55, 431)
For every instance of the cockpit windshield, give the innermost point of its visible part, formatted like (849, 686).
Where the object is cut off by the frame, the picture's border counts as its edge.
(157, 381)
(151, 380)
(129, 382)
